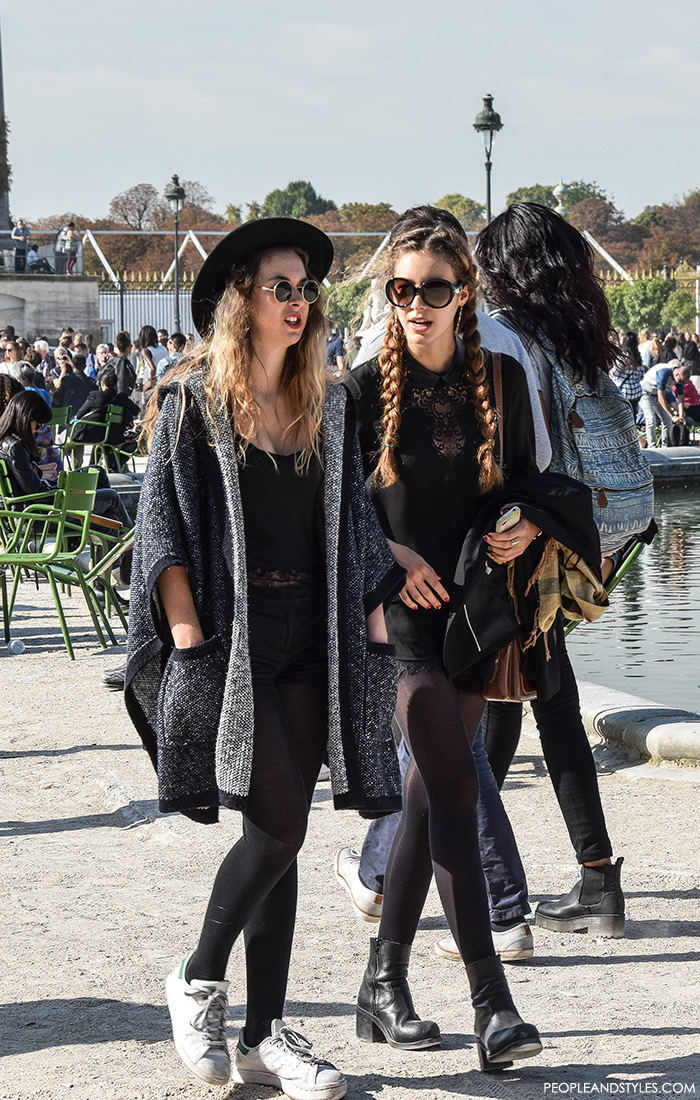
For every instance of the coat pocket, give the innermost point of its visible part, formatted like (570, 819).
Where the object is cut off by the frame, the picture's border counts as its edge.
(189, 708)
(381, 679)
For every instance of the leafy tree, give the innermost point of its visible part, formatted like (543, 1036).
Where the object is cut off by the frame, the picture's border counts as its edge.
(345, 302)
(356, 217)
(617, 300)
(254, 211)
(299, 199)
(196, 194)
(679, 311)
(468, 213)
(139, 207)
(645, 300)
(5, 170)
(538, 192)
(580, 190)
(544, 194)
(233, 214)
(649, 216)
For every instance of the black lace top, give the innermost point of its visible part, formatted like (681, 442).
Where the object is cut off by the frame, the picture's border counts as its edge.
(431, 506)
(279, 513)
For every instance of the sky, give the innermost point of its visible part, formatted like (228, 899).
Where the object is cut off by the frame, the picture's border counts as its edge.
(370, 100)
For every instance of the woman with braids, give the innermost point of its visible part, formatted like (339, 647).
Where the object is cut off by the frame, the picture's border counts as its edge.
(257, 643)
(427, 428)
(538, 271)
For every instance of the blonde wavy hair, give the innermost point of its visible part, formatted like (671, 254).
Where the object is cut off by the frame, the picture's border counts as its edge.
(437, 232)
(224, 356)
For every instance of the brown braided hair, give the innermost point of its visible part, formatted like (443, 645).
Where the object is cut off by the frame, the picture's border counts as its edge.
(429, 229)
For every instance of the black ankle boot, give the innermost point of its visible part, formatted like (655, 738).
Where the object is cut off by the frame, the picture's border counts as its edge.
(385, 1009)
(596, 904)
(501, 1035)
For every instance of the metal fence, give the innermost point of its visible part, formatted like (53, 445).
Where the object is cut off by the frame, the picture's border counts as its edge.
(131, 306)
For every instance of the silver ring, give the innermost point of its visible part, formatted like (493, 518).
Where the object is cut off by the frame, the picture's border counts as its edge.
(514, 542)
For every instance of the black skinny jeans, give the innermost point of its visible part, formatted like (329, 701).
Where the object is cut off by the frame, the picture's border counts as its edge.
(567, 754)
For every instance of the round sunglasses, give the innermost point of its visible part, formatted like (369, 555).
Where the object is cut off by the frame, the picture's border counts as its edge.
(436, 293)
(283, 290)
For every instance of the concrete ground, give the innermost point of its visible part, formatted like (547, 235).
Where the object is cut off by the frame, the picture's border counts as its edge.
(102, 897)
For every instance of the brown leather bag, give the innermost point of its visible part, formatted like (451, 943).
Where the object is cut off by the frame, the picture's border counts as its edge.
(507, 685)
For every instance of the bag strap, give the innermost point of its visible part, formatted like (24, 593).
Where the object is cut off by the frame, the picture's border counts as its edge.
(498, 393)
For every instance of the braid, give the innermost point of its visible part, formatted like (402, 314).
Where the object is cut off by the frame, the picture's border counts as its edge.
(393, 376)
(490, 473)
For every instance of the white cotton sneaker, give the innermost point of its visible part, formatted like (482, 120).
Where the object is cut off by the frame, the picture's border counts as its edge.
(512, 945)
(198, 1012)
(286, 1061)
(367, 904)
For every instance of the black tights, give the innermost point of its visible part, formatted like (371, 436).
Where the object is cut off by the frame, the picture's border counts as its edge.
(568, 756)
(438, 828)
(255, 890)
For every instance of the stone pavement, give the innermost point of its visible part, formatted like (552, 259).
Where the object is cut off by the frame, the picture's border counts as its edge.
(102, 897)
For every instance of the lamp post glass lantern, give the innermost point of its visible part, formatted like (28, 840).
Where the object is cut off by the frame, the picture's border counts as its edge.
(488, 123)
(175, 194)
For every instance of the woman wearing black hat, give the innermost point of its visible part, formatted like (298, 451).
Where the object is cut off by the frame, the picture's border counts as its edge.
(256, 636)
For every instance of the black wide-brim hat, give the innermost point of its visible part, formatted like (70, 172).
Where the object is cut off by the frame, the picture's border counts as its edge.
(245, 241)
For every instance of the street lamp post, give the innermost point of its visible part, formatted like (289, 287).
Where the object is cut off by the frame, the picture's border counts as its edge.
(487, 123)
(175, 194)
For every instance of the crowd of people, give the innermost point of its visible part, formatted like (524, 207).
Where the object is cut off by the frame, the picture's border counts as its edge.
(304, 588)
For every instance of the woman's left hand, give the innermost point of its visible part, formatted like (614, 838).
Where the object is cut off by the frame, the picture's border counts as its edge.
(510, 544)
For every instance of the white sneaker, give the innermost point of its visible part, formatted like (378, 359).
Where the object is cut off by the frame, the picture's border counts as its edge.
(198, 1012)
(512, 945)
(368, 905)
(285, 1060)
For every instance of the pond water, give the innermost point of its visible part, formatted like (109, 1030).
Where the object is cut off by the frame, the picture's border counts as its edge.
(648, 642)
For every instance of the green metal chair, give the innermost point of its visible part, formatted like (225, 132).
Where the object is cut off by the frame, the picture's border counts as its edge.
(70, 444)
(113, 451)
(55, 541)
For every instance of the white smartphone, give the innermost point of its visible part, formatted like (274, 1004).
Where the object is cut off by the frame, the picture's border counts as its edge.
(508, 519)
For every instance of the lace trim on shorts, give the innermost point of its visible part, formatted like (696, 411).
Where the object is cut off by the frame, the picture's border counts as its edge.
(282, 578)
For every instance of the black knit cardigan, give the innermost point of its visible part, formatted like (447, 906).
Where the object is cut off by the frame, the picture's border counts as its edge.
(193, 708)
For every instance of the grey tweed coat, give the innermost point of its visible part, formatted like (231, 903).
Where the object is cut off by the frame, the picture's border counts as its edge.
(193, 708)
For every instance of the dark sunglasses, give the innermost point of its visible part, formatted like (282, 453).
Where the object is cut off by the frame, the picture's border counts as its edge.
(436, 293)
(283, 290)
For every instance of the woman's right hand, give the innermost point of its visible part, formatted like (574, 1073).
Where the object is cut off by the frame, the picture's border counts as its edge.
(423, 587)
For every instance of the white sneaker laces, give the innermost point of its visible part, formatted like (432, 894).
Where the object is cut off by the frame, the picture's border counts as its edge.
(298, 1045)
(211, 1017)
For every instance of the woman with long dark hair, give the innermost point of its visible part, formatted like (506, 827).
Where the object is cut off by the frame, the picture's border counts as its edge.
(257, 642)
(537, 272)
(428, 428)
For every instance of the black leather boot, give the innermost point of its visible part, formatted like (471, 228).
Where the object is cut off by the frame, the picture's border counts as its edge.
(501, 1034)
(596, 904)
(385, 1009)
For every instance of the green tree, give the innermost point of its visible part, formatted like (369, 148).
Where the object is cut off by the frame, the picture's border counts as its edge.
(5, 170)
(254, 211)
(345, 303)
(616, 293)
(645, 300)
(544, 194)
(679, 311)
(468, 213)
(538, 192)
(299, 199)
(580, 190)
(233, 213)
